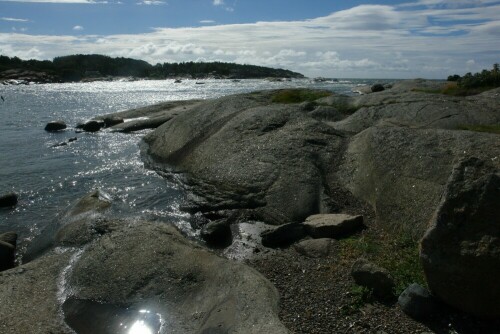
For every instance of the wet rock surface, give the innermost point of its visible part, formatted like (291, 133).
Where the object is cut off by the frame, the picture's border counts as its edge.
(126, 267)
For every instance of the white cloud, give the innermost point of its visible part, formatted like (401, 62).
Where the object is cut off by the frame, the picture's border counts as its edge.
(151, 2)
(60, 1)
(218, 2)
(364, 41)
(207, 21)
(78, 28)
(11, 19)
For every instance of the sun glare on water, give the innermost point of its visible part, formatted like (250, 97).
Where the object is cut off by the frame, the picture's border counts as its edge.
(139, 327)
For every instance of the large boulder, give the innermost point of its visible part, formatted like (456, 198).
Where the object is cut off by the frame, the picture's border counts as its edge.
(244, 152)
(402, 172)
(151, 266)
(460, 251)
(136, 273)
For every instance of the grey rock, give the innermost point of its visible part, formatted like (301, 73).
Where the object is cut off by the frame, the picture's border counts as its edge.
(332, 225)
(402, 172)
(55, 126)
(8, 200)
(378, 279)
(244, 152)
(315, 248)
(30, 297)
(460, 251)
(327, 113)
(136, 125)
(217, 233)
(197, 282)
(93, 126)
(110, 121)
(418, 303)
(283, 235)
(418, 110)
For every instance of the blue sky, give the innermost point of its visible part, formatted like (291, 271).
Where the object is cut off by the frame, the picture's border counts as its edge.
(376, 39)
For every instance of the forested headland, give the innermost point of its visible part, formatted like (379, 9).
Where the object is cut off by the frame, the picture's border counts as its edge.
(80, 67)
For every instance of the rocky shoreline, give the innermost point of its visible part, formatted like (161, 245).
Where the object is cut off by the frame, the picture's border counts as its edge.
(320, 183)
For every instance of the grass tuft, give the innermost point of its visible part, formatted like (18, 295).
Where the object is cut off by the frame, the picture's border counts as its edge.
(399, 254)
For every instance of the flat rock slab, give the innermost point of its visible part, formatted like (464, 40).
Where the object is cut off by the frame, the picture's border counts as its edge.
(332, 225)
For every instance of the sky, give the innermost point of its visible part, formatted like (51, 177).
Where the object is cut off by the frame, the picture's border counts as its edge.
(328, 38)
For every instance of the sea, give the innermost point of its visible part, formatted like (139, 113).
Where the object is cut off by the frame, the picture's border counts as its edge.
(49, 178)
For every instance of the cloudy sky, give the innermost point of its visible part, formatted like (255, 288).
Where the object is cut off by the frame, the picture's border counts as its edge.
(331, 38)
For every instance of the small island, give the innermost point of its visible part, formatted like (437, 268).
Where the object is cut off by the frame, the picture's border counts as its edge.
(77, 68)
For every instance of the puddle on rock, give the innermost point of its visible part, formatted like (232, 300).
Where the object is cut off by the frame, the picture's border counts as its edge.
(90, 317)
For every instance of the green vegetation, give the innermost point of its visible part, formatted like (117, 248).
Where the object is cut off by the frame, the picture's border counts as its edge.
(360, 296)
(298, 95)
(77, 67)
(398, 254)
(471, 84)
(482, 128)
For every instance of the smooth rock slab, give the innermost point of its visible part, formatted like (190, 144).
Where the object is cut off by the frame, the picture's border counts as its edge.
(332, 225)
(460, 252)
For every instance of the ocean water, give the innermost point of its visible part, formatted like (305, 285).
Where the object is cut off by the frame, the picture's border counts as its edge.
(48, 179)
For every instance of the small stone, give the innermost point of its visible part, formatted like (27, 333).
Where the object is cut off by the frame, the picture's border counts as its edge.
(55, 126)
(283, 236)
(377, 279)
(417, 302)
(314, 248)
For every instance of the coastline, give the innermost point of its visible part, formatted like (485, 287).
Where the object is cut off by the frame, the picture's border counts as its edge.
(306, 285)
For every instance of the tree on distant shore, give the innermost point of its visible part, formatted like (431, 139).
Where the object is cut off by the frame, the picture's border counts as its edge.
(77, 67)
(483, 79)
